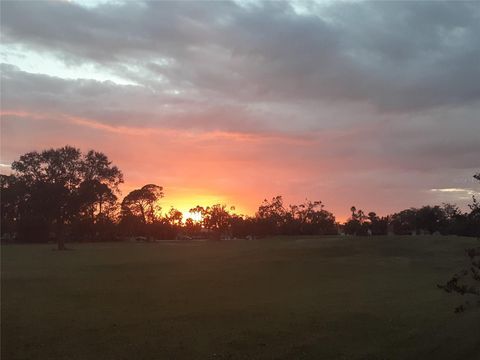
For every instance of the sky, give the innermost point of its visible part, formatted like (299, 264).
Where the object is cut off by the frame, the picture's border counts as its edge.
(372, 104)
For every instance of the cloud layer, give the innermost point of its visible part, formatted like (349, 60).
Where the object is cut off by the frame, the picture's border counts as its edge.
(365, 103)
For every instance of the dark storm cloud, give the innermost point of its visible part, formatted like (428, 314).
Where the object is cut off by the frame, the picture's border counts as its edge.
(399, 56)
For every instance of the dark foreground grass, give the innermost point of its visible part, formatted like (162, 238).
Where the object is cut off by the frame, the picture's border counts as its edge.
(296, 298)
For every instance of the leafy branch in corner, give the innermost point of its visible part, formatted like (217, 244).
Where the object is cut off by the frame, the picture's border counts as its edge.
(467, 281)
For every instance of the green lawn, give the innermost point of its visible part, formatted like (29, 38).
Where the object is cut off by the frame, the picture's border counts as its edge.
(288, 298)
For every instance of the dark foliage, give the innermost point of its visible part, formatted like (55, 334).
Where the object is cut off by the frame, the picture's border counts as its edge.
(466, 282)
(55, 191)
(62, 194)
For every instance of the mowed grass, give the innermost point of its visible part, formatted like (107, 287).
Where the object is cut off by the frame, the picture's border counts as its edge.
(284, 298)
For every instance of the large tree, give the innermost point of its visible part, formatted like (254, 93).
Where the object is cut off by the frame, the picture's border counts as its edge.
(100, 185)
(53, 181)
(98, 192)
(97, 208)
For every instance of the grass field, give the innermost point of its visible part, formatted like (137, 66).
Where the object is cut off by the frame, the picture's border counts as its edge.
(288, 298)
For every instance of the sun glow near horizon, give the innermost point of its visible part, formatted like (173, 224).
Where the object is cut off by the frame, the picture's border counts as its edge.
(184, 201)
(195, 216)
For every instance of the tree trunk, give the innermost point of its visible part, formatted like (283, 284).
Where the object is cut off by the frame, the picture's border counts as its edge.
(143, 214)
(60, 237)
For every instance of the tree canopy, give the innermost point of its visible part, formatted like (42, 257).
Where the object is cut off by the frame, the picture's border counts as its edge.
(62, 193)
(53, 188)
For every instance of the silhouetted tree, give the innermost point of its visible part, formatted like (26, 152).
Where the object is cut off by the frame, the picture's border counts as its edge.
(377, 225)
(192, 228)
(143, 203)
(271, 216)
(216, 218)
(96, 167)
(310, 218)
(52, 180)
(354, 225)
(474, 216)
(56, 191)
(404, 222)
(455, 221)
(430, 219)
(51, 177)
(98, 205)
(99, 189)
(370, 224)
(242, 226)
(174, 217)
(12, 205)
(467, 281)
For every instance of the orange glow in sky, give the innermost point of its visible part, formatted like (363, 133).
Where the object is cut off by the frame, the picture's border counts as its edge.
(324, 105)
(210, 167)
(184, 202)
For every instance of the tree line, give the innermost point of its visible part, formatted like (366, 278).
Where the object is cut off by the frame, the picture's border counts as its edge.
(66, 195)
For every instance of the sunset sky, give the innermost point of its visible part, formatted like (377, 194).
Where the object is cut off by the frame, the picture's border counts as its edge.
(372, 104)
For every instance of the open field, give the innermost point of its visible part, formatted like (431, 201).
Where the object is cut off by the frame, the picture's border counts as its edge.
(289, 298)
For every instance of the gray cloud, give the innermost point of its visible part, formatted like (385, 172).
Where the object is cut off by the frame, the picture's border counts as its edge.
(398, 56)
(438, 138)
